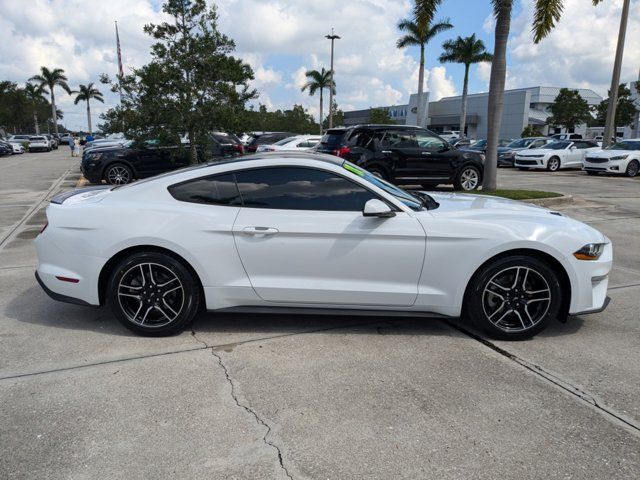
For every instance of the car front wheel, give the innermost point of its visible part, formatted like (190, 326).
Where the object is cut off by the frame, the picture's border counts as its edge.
(514, 297)
(153, 294)
(553, 165)
(118, 174)
(468, 178)
(632, 168)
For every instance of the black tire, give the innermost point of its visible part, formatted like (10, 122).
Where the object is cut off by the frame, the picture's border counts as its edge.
(164, 304)
(491, 293)
(632, 168)
(378, 172)
(591, 172)
(554, 164)
(465, 178)
(117, 174)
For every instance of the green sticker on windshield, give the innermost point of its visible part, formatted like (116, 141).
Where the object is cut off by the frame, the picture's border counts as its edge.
(353, 169)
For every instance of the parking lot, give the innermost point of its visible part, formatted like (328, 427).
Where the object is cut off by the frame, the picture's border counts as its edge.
(244, 396)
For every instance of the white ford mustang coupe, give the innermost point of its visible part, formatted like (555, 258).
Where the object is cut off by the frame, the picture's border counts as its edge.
(303, 232)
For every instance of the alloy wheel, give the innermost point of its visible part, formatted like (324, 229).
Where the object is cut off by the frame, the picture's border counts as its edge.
(516, 299)
(554, 164)
(632, 169)
(469, 179)
(150, 295)
(118, 175)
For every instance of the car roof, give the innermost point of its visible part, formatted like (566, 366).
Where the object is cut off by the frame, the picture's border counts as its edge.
(379, 126)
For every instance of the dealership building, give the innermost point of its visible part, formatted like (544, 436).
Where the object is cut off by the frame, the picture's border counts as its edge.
(522, 107)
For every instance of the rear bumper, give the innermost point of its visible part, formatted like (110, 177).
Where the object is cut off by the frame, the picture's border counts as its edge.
(59, 297)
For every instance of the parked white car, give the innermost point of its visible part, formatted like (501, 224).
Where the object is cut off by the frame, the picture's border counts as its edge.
(622, 157)
(296, 230)
(39, 142)
(298, 142)
(556, 155)
(450, 135)
(17, 147)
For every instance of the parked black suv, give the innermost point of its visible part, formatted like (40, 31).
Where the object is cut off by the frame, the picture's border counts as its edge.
(405, 155)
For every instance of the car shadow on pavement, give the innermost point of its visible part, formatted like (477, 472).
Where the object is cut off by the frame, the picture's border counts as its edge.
(34, 307)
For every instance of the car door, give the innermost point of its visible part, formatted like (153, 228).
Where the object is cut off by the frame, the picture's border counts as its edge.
(399, 151)
(582, 148)
(437, 157)
(302, 238)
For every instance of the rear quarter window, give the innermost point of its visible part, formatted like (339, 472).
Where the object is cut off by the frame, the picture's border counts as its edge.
(214, 190)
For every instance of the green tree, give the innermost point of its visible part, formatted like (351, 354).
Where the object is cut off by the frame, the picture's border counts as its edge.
(85, 93)
(569, 110)
(51, 79)
(530, 131)
(338, 117)
(418, 32)
(35, 95)
(191, 86)
(468, 51)
(319, 80)
(626, 109)
(546, 15)
(380, 116)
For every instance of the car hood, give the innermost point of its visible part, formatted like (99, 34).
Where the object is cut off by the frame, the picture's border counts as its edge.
(610, 153)
(525, 219)
(538, 151)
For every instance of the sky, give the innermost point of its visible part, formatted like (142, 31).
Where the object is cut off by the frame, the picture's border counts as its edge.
(282, 39)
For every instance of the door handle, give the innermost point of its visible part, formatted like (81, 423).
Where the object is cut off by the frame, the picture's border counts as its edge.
(426, 153)
(387, 152)
(260, 230)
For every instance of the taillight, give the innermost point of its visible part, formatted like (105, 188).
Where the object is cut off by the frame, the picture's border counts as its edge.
(342, 152)
(45, 226)
(238, 148)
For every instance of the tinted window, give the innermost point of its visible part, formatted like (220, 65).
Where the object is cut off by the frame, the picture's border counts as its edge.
(291, 188)
(400, 139)
(332, 139)
(216, 190)
(430, 142)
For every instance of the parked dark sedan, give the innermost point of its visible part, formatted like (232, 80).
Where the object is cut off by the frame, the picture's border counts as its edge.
(405, 155)
(5, 148)
(266, 138)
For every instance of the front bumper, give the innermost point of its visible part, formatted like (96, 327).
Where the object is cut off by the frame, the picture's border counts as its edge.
(589, 283)
(525, 162)
(605, 167)
(506, 161)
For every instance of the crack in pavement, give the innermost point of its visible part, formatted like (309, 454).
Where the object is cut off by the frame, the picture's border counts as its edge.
(590, 399)
(252, 412)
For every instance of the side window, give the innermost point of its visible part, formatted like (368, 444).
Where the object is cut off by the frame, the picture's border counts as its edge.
(537, 144)
(399, 139)
(215, 190)
(430, 142)
(292, 188)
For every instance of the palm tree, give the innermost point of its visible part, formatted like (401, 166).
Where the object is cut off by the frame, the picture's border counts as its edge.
(84, 94)
(52, 78)
(319, 80)
(419, 32)
(35, 94)
(467, 50)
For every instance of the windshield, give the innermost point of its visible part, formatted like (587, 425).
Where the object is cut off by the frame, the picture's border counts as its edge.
(558, 145)
(626, 145)
(405, 197)
(521, 143)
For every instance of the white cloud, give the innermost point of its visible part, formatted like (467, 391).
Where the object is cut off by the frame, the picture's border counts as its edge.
(440, 85)
(483, 72)
(579, 52)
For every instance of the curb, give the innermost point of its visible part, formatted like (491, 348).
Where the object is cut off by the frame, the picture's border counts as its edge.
(552, 202)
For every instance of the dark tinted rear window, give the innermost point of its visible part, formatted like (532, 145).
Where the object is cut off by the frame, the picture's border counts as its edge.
(332, 139)
(216, 190)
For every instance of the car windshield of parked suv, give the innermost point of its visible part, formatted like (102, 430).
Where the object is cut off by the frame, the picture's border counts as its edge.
(557, 145)
(520, 143)
(405, 197)
(625, 145)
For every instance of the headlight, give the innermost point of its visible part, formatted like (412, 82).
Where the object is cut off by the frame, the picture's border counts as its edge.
(591, 251)
(508, 155)
(94, 156)
(482, 157)
(619, 157)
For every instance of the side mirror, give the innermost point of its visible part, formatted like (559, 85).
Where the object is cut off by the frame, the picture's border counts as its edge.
(573, 147)
(377, 208)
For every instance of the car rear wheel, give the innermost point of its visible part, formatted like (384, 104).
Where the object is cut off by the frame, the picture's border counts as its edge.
(153, 294)
(632, 168)
(468, 178)
(118, 174)
(553, 165)
(514, 297)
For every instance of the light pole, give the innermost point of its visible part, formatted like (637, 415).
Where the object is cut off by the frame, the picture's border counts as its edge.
(331, 37)
(615, 79)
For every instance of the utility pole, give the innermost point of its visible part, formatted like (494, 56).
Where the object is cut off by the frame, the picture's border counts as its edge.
(615, 80)
(636, 130)
(331, 37)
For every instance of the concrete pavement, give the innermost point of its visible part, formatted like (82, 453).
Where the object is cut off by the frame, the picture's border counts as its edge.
(250, 397)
